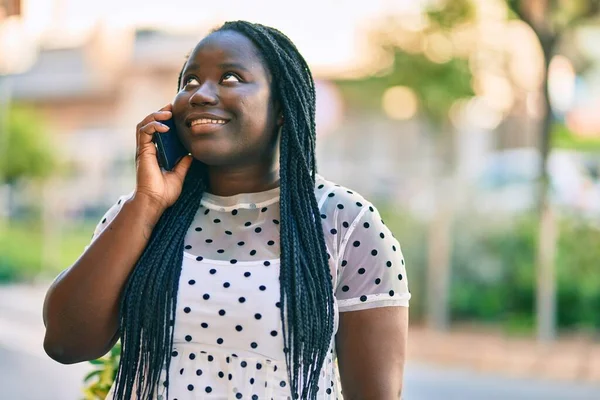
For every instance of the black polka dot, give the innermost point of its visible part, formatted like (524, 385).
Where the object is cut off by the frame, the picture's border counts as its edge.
(217, 221)
(241, 243)
(361, 271)
(221, 374)
(198, 229)
(266, 263)
(273, 333)
(206, 212)
(243, 364)
(206, 296)
(345, 288)
(345, 224)
(248, 223)
(226, 285)
(210, 358)
(331, 194)
(239, 328)
(264, 209)
(363, 298)
(323, 216)
(233, 261)
(229, 376)
(276, 222)
(381, 235)
(356, 243)
(242, 299)
(238, 395)
(377, 281)
(391, 292)
(258, 229)
(333, 231)
(188, 338)
(252, 381)
(257, 316)
(208, 389)
(199, 258)
(247, 274)
(270, 243)
(359, 204)
(321, 186)
(340, 206)
(394, 247)
(187, 310)
(187, 247)
(328, 391)
(229, 233)
(400, 276)
(366, 225)
(253, 252)
(213, 271)
(234, 212)
(191, 282)
(208, 240)
(262, 288)
(278, 304)
(174, 353)
(104, 221)
(220, 341)
(190, 387)
(192, 356)
(402, 262)
(181, 371)
(371, 209)
(282, 383)
(344, 263)
(204, 325)
(258, 365)
(221, 312)
(373, 252)
(221, 251)
(198, 372)
(254, 345)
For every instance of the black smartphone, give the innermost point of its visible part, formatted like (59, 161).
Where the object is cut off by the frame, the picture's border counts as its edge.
(169, 149)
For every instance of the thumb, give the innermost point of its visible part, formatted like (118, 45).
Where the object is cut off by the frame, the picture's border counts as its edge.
(182, 167)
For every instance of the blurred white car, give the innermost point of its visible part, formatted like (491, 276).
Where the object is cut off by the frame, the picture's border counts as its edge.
(508, 182)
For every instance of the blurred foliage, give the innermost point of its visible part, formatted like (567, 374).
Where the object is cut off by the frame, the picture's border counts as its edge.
(437, 84)
(493, 269)
(21, 250)
(29, 152)
(564, 138)
(99, 381)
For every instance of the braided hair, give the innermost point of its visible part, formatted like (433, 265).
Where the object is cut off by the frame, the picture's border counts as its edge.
(148, 304)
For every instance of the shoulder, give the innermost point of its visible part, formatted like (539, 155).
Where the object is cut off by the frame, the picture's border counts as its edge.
(339, 201)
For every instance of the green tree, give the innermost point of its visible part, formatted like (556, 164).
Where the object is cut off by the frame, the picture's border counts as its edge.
(552, 21)
(439, 81)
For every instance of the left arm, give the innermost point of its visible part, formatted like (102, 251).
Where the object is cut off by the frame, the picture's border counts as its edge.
(371, 349)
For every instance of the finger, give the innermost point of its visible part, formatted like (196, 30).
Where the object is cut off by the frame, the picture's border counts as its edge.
(182, 167)
(146, 132)
(156, 116)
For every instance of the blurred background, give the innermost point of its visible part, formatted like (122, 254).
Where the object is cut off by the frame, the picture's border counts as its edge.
(474, 125)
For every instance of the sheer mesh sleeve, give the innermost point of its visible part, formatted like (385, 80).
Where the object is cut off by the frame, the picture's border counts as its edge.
(372, 271)
(108, 217)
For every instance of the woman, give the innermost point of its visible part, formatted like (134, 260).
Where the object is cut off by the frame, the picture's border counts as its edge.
(241, 274)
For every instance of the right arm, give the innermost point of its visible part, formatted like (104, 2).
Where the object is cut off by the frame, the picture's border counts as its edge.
(81, 309)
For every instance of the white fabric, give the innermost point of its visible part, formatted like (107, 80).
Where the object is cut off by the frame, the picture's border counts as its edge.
(231, 266)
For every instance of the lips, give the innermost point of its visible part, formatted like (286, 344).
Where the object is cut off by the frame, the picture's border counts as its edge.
(199, 119)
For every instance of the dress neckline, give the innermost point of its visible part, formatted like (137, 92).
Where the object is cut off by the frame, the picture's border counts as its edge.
(241, 200)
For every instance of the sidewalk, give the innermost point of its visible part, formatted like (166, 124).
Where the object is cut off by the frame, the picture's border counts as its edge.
(568, 359)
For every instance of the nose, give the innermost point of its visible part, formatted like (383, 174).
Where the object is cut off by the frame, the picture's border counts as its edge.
(205, 95)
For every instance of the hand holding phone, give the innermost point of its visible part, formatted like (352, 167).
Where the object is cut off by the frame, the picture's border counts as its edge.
(169, 149)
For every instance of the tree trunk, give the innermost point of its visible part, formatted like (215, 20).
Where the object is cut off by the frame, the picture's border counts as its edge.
(547, 230)
(439, 246)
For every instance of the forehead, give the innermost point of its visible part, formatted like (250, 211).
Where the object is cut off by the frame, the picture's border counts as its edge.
(227, 47)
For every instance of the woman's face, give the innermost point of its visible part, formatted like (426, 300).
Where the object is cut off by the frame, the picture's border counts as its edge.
(224, 112)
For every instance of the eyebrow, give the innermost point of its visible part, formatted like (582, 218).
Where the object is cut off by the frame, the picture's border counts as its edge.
(222, 66)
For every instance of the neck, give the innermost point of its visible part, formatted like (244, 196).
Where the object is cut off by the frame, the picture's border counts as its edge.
(247, 179)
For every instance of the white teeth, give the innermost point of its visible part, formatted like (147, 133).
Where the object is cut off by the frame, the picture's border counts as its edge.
(207, 121)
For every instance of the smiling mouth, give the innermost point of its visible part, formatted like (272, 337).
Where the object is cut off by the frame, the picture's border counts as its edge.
(206, 121)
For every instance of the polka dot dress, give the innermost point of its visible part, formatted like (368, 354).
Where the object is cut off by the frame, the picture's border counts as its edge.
(228, 341)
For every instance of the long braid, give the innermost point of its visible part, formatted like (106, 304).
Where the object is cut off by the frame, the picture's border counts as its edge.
(148, 308)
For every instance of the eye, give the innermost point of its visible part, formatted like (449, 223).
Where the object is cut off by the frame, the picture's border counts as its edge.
(230, 75)
(190, 80)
